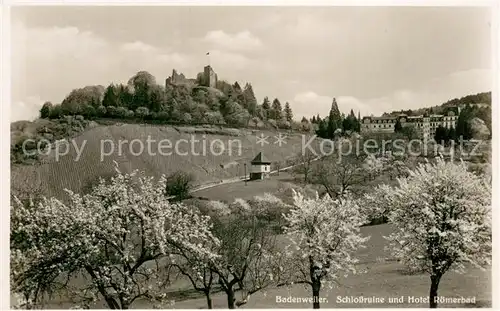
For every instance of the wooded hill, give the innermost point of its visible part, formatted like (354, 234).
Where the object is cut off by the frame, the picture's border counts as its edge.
(483, 113)
(142, 98)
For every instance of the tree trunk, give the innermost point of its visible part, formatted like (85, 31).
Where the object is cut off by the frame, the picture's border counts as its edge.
(124, 304)
(112, 304)
(434, 291)
(209, 300)
(230, 298)
(316, 286)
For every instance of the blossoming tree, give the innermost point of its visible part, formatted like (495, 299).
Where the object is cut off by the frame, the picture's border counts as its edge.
(339, 175)
(373, 166)
(375, 205)
(249, 258)
(324, 233)
(442, 216)
(118, 237)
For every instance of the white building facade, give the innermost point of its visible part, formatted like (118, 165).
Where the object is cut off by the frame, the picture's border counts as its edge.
(425, 125)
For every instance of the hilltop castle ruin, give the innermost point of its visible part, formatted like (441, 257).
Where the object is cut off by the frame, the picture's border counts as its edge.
(206, 78)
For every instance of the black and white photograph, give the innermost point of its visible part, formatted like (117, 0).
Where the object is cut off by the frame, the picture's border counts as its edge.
(226, 156)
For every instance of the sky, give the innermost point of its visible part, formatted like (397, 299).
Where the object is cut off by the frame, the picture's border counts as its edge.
(371, 59)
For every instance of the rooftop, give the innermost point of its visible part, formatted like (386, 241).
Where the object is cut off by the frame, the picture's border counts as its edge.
(384, 118)
(260, 159)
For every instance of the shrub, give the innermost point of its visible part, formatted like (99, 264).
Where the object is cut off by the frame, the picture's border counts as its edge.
(55, 112)
(45, 111)
(89, 111)
(269, 209)
(142, 112)
(121, 112)
(111, 111)
(214, 117)
(163, 115)
(179, 184)
(130, 114)
(214, 209)
(273, 123)
(283, 124)
(305, 127)
(101, 111)
(186, 118)
(29, 145)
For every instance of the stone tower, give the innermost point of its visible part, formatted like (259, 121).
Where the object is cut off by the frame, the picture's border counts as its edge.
(209, 77)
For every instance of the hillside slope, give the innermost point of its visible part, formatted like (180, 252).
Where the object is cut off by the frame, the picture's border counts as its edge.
(52, 176)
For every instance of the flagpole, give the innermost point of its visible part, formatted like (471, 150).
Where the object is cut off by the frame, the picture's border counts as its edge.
(208, 58)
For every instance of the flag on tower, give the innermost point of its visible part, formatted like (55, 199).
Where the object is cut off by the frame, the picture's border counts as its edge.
(208, 53)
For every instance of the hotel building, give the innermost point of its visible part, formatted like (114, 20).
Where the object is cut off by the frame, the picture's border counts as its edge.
(425, 125)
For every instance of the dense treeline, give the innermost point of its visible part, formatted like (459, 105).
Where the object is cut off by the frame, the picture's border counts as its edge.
(143, 99)
(464, 129)
(479, 98)
(336, 123)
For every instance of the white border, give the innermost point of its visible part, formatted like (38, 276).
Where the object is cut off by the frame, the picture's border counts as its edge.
(495, 272)
(5, 157)
(472, 3)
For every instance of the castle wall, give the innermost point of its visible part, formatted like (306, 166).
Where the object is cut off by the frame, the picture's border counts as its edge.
(208, 78)
(179, 79)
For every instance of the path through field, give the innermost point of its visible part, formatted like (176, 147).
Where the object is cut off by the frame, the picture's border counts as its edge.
(242, 178)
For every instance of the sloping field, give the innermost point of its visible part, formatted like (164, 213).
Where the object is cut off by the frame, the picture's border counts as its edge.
(223, 156)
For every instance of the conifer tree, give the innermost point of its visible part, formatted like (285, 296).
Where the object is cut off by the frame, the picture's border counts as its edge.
(398, 128)
(334, 119)
(110, 98)
(250, 100)
(276, 110)
(464, 129)
(288, 112)
(266, 106)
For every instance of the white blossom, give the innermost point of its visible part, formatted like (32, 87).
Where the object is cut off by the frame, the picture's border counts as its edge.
(324, 234)
(110, 234)
(442, 218)
(445, 202)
